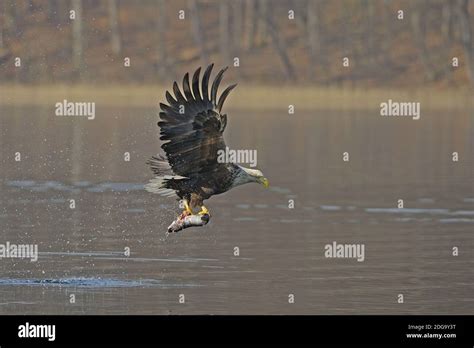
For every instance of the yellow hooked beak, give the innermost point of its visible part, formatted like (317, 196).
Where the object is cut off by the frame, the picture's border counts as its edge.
(265, 182)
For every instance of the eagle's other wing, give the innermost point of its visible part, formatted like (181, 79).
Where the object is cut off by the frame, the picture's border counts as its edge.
(192, 126)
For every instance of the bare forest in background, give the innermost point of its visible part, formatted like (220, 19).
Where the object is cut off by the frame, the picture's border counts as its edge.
(297, 41)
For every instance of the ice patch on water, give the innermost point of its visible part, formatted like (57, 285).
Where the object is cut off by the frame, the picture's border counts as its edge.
(134, 210)
(407, 210)
(409, 219)
(53, 185)
(17, 303)
(456, 220)
(288, 221)
(245, 219)
(82, 183)
(75, 187)
(85, 254)
(57, 200)
(330, 207)
(405, 219)
(147, 259)
(21, 183)
(85, 282)
(463, 212)
(426, 200)
(438, 211)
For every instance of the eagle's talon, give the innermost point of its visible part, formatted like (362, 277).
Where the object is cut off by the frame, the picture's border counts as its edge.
(204, 211)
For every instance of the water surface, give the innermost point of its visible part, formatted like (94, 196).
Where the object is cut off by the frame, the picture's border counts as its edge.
(82, 250)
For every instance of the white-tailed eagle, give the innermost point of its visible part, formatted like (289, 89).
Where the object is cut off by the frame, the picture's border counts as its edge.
(191, 128)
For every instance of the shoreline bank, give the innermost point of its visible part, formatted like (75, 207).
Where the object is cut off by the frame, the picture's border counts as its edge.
(251, 97)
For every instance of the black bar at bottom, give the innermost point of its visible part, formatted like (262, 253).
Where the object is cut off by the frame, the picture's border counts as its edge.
(343, 330)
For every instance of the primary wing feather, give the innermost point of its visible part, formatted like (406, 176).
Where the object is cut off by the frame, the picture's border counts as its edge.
(191, 125)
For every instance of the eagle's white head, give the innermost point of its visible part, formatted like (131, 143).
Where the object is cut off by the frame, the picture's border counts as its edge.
(247, 175)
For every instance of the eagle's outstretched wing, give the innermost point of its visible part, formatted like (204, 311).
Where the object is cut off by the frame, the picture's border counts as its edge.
(192, 126)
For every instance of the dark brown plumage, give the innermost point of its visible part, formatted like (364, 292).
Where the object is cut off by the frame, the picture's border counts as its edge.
(191, 128)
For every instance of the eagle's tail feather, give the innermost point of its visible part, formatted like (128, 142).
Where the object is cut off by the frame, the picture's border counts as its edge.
(165, 185)
(159, 165)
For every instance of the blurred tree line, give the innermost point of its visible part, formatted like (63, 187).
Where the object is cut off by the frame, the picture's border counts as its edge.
(381, 43)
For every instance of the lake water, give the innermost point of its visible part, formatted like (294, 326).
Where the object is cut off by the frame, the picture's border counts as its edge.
(408, 251)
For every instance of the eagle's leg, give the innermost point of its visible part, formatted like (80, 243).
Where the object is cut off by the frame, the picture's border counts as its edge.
(204, 211)
(187, 208)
